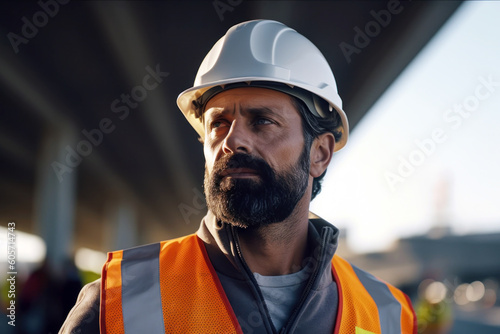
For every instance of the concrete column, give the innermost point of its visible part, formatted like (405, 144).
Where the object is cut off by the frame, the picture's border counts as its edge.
(124, 232)
(55, 194)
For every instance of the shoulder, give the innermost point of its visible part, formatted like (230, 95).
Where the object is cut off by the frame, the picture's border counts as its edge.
(84, 316)
(349, 274)
(361, 290)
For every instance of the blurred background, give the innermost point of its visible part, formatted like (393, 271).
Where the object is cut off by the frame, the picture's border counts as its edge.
(95, 155)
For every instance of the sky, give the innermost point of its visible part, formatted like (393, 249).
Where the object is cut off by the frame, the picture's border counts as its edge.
(431, 141)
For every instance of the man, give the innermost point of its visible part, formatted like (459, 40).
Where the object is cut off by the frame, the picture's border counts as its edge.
(266, 107)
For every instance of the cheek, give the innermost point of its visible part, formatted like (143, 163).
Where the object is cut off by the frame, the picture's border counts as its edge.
(210, 154)
(285, 154)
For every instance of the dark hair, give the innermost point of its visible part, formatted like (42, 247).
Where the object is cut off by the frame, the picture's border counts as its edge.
(313, 126)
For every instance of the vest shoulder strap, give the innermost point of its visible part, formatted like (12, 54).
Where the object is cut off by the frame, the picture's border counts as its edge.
(144, 290)
(369, 305)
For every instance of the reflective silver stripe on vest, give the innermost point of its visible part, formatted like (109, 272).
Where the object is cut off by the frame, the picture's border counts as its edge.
(141, 295)
(389, 308)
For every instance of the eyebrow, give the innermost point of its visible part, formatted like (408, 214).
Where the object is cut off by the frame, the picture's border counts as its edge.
(259, 110)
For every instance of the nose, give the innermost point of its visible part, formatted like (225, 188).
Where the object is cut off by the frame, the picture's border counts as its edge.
(237, 139)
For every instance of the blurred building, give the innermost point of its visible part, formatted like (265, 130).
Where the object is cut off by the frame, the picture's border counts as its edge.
(461, 273)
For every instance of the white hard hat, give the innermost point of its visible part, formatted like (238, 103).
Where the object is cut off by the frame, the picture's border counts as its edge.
(262, 53)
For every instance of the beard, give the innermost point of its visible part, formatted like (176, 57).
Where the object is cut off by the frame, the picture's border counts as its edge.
(248, 203)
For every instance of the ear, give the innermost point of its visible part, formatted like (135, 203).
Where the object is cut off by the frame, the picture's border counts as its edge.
(321, 153)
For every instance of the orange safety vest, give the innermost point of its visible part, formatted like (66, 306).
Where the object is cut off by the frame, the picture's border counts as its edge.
(172, 287)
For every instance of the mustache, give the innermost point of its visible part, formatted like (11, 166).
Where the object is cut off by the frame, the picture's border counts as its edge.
(242, 160)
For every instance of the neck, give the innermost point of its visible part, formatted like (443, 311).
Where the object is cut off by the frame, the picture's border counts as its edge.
(279, 248)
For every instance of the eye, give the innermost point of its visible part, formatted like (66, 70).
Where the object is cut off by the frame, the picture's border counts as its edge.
(216, 124)
(263, 121)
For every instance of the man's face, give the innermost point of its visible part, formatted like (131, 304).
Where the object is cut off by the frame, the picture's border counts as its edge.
(257, 166)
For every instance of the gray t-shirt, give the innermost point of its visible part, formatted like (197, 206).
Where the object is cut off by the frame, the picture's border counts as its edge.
(282, 293)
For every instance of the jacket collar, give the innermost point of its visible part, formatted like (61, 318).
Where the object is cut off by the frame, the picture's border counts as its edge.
(221, 241)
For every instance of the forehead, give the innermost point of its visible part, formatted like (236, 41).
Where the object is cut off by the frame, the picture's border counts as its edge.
(251, 97)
